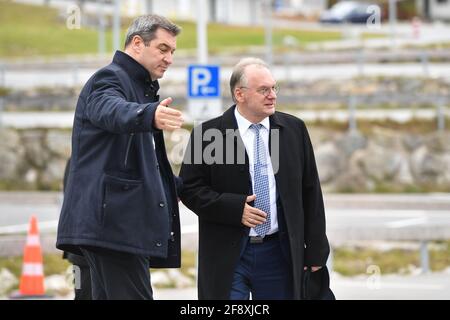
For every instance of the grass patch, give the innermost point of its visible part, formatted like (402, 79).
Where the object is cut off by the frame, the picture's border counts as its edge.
(382, 187)
(352, 261)
(53, 264)
(348, 261)
(188, 261)
(188, 269)
(28, 30)
(223, 37)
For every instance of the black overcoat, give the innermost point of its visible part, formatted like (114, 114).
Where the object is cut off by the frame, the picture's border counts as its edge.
(217, 191)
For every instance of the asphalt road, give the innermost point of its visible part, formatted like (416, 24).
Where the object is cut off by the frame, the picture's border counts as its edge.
(343, 211)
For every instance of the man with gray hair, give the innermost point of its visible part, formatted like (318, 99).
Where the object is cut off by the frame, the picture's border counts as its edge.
(262, 220)
(120, 208)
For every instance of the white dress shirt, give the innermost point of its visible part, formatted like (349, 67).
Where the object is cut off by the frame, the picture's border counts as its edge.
(248, 137)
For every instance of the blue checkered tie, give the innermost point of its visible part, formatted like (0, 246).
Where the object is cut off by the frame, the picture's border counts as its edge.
(261, 187)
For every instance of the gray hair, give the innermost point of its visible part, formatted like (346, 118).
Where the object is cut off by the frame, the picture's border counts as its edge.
(146, 26)
(238, 76)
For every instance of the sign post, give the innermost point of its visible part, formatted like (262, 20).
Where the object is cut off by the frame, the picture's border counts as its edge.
(204, 100)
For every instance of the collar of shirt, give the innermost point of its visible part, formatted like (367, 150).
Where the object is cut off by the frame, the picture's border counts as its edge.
(135, 70)
(244, 124)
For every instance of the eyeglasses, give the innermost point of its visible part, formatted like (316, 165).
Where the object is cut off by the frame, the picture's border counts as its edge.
(265, 91)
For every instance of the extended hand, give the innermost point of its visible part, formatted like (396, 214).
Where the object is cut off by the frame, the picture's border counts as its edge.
(251, 216)
(314, 268)
(167, 118)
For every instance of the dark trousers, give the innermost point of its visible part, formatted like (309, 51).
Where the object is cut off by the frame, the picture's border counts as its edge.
(263, 272)
(82, 276)
(83, 288)
(118, 275)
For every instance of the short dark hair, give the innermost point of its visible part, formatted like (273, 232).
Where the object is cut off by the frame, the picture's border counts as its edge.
(238, 75)
(146, 27)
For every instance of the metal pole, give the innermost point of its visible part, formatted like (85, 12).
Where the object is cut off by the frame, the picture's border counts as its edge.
(352, 126)
(287, 66)
(361, 60)
(268, 32)
(101, 28)
(440, 115)
(2, 75)
(424, 257)
(424, 60)
(2, 84)
(148, 6)
(75, 75)
(202, 40)
(116, 25)
(2, 102)
(393, 20)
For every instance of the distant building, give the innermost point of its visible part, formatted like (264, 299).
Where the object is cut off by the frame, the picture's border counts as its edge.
(244, 12)
(305, 8)
(434, 9)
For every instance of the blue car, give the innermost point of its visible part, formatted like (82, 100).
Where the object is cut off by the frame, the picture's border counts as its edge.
(348, 12)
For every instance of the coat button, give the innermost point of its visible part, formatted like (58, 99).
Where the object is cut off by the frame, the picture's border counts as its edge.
(139, 112)
(161, 204)
(157, 167)
(146, 94)
(104, 206)
(126, 187)
(158, 244)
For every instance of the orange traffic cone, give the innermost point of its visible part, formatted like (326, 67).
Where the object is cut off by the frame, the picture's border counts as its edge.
(32, 278)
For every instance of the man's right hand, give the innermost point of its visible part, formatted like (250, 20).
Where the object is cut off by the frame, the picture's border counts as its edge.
(167, 118)
(251, 217)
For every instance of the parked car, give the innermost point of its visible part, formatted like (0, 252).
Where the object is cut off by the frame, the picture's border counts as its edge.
(347, 12)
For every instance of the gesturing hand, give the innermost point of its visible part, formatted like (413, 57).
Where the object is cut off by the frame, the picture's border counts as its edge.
(314, 268)
(167, 118)
(251, 216)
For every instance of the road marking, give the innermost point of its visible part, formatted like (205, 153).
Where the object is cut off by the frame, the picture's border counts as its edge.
(406, 222)
(45, 225)
(385, 285)
(377, 213)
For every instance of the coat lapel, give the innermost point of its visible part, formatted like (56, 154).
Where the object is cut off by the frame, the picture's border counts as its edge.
(230, 131)
(277, 148)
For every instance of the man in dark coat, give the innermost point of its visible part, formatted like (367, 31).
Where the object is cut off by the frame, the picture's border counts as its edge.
(250, 176)
(120, 208)
(81, 271)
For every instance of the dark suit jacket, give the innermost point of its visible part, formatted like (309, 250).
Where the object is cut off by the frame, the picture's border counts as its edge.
(216, 191)
(121, 192)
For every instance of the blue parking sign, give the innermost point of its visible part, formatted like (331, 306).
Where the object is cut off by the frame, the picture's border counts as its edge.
(203, 81)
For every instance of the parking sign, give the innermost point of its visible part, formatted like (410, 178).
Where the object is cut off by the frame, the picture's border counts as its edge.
(204, 100)
(203, 81)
